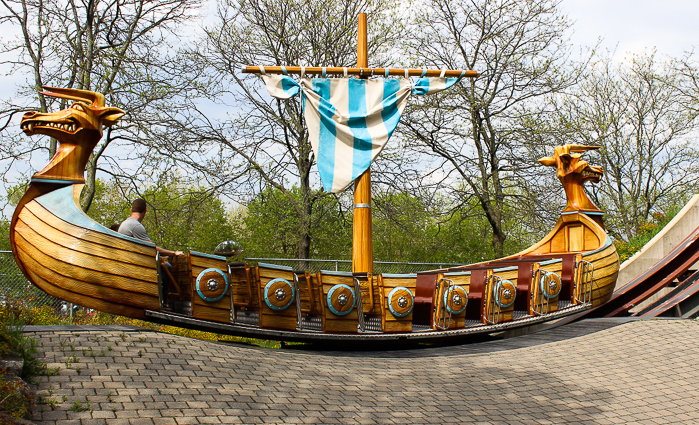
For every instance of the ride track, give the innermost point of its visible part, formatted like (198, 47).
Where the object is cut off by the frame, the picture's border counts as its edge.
(675, 266)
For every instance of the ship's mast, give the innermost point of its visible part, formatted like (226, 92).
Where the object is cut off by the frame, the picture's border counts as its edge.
(362, 241)
(362, 244)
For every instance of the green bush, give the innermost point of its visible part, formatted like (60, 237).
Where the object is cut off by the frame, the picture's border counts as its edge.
(647, 232)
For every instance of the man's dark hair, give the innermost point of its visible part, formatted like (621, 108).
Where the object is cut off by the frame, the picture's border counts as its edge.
(138, 206)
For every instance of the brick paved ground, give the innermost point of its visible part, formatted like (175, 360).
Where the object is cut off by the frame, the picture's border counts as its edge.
(641, 372)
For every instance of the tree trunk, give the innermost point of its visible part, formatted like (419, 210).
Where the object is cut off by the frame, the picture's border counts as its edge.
(88, 192)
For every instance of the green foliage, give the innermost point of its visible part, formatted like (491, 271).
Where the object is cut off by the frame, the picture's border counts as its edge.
(404, 229)
(15, 399)
(185, 218)
(109, 205)
(4, 234)
(16, 313)
(647, 232)
(179, 216)
(270, 226)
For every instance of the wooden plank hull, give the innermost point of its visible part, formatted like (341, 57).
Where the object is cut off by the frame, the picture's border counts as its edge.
(71, 257)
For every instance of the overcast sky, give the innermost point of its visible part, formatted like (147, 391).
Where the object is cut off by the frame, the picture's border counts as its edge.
(634, 25)
(625, 25)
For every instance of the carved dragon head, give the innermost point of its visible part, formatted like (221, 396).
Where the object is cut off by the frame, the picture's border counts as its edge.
(77, 128)
(573, 172)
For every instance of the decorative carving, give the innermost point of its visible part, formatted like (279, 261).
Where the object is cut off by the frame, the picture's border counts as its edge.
(77, 128)
(573, 172)
(211, 284)
(341, 299)
(505, 292)
(456, 299)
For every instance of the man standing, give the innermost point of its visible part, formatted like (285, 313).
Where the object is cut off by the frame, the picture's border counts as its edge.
(134, 228)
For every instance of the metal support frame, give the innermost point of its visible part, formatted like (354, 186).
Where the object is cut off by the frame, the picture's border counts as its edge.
(539, 302)
(542, 279)
(442, 318)
(161, 297)
(490, 303)
(359, 304)
(231, 318)
(299, 318)
(584, 275)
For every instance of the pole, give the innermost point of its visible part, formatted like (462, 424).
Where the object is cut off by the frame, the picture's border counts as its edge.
(362, 71)
(362, 244)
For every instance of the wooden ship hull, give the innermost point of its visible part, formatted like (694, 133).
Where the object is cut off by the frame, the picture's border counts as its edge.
(68, 255)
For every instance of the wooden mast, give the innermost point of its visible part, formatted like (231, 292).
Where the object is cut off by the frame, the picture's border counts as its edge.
(362, 243)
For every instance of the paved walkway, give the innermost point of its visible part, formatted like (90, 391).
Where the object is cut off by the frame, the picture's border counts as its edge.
(641, 372)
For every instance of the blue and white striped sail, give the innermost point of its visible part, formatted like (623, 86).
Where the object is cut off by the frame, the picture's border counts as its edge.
(350, 120)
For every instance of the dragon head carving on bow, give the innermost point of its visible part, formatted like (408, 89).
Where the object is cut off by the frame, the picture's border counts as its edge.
(77, 128)
(573, 172)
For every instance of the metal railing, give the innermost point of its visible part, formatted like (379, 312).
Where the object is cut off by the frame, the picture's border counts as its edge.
(313, 265)
(548, 286)
(443, 293)
(584, 276)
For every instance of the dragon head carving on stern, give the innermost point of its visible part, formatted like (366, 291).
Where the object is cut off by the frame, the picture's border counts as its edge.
(77, 128)
(573, 172)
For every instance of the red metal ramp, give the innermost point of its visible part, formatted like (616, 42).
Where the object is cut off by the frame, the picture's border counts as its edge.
(661, 274)
(682, 301)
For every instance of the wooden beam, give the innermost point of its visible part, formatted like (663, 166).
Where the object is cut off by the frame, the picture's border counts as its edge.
(362, 244)
(362, 71)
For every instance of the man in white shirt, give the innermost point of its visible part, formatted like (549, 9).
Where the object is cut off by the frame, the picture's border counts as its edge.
(134, 228)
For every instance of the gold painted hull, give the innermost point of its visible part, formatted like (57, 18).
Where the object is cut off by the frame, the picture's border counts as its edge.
(71, 257)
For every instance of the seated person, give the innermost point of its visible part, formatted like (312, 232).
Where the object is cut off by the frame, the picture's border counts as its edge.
(132, 227)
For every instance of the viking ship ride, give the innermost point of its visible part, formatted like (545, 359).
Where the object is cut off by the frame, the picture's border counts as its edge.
(70, 256)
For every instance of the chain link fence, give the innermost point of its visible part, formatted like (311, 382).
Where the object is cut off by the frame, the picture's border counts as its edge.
(13, 283)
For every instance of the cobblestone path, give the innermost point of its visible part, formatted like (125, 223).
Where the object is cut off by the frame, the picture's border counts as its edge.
(642, 372)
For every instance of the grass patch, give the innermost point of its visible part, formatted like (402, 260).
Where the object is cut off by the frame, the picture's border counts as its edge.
(27, 314)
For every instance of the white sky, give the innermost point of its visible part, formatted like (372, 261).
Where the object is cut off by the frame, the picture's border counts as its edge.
(626, 26)
(634, 25)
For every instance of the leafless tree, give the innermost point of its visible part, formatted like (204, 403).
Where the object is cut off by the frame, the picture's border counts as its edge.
(646, 127)
(521, 53)
(118, 48)
(260, 142)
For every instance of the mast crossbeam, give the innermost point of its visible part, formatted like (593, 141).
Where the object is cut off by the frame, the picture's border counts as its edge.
(362, 72)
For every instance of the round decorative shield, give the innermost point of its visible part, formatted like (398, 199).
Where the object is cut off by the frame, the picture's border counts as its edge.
(279, 294)
(341, 299)
(212, 285)
(505, 292)
(550, 284)
(455, 299)
(400, 301)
